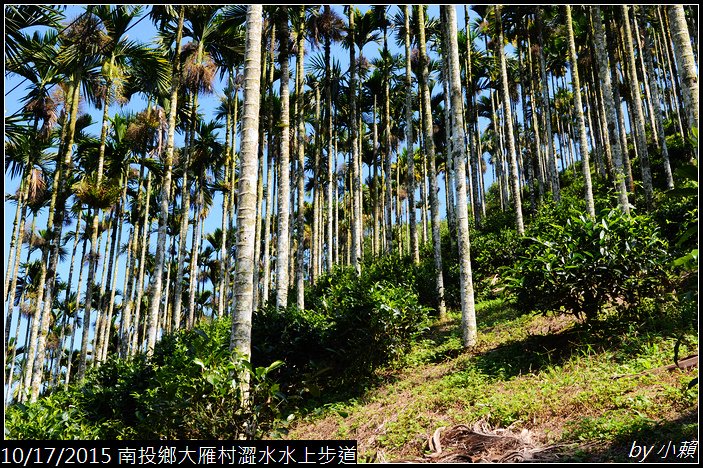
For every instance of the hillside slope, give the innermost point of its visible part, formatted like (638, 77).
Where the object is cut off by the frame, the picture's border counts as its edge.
(575, 393)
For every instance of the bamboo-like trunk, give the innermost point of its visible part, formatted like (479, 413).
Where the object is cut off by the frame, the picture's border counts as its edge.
(412, 220)
(355, 218)
(685, 63)
(241, 322)
(156, 279)
(331, 161)
(468, 311)
(429, 146)
(639, 113)
(655, 100)
(146, 226)
(512, 162)
(40, 325)
(609, 110)
(583, 143)
(300, 114)
(551, 157)
(282, 242)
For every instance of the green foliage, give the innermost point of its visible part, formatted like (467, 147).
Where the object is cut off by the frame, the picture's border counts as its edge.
(55, 417)
(352, 325)
(584, 265)
(490, 252)
(190, 389)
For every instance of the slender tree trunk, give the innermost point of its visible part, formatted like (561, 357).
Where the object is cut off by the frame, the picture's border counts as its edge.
(40, 324)
(300, 106)
(449, 182)
(673, 77)
(259, 202)
(468, 311)
(195, 249)
(639, 114)
(282, 244)
(583, 143)
(314, 244)
(355, 166)
(134, 341)
(429, 147)
(330, 157)
(15, 264)
(156, 279)
(656, 105)
(512, 164)
(613, 132)
(376, 241)
(270, 184)
(241, 323)
(412, 221)
(551, 157)
(685, 62)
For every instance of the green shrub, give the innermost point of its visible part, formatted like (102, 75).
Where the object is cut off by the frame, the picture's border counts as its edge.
(189, 389)
(352, 325)
(55, 417)
(586, 264)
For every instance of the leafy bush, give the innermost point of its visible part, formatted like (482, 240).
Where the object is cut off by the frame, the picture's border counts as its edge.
(55, 417)
(586, 264)
(352, 325)
(490, 252)
(189, 389)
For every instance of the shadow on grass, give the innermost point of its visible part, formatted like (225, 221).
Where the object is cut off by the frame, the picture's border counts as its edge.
(647, 442)
(511, 359)
(535, 352)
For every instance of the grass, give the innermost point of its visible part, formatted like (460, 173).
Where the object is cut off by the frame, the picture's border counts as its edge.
(550, 375)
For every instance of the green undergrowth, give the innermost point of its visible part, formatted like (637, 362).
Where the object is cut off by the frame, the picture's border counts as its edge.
(567, 381)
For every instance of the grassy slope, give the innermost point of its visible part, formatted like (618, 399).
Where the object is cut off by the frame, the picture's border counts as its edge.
(543, 374)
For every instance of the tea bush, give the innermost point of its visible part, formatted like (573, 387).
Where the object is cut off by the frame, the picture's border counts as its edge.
(352, 325)
(189, 389)
(587, 264)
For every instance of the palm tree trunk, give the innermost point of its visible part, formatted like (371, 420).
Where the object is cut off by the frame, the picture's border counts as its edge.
(429, 147)
(241, 321)
(300, 113)
(673, 77)
(40, 324)
(639, 114)
(69, 282)
(583, 143)
(18, 238)
(414, 247)
(449, 182)
(185, 209)
(282, 243)
(376, 241)
(355, 166)
(512, 163)
(156, 279)
(551, 157)
(317, 197)
(270, 185)
(330, 158)
(656, 100)
(195, 250)
(685, 63)
(468, 311)
(134, 342)
(609, 109)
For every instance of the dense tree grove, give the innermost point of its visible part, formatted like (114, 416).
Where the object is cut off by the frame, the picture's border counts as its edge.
(320, 161)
